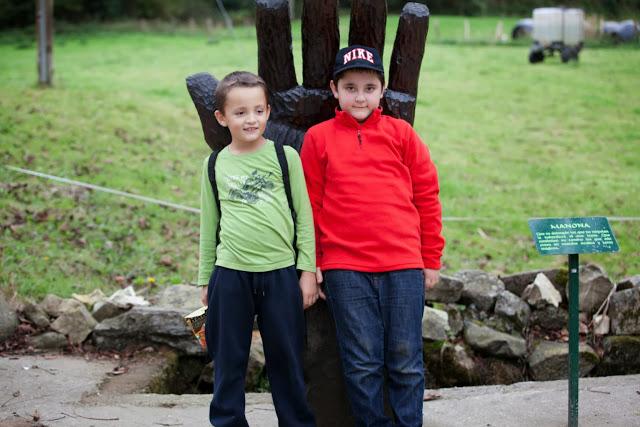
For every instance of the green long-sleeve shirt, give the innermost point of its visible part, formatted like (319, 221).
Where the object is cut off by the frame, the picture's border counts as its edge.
(256, 230)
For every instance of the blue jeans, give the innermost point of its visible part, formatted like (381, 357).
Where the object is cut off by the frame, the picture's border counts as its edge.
(378, 319)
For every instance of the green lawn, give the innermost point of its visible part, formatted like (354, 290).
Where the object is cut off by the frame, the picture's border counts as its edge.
(511, 141)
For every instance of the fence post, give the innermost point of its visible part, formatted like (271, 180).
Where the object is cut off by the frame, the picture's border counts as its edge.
(499, 31)
(44, 32)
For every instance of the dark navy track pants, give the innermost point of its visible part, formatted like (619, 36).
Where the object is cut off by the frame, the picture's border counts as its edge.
(234, 298)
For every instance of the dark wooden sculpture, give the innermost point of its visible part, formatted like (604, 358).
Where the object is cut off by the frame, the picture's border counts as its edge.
(320, 41)
(368, 23)
(295, 108)
(406, 58)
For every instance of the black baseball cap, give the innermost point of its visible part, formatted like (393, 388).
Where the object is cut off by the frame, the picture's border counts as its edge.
(358, 56)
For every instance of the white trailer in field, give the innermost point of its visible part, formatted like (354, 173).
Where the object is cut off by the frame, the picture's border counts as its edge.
(556, 29)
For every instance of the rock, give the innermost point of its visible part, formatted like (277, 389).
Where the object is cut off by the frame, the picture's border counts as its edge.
(491, 370)
(8, 319)
(499, 323)
(492, 342)
(50, 304)
(76, 322)
(516, 283)
(206, 376)
(179, 374)
(595, 287)
(106, 310)
(601, 324)
(583, 329)
(471, 312)
(54, 306)
(549, 361)
(479, 288)
(180, 297)
(256, 362)
(48, 341)
(449, 364)
(127, 298)
(502, 324)
(510, 306)
(456, 320)
(550, 318)
(36, 314)
(624, 311)
(620, 356)
(541, 293)
(147, 325)
(69, 304)
(435, 324)
(447, 290)
(628, 283)
(90, 299)
(255, 366)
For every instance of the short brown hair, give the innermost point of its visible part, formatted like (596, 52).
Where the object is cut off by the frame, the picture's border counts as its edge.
(237, 79)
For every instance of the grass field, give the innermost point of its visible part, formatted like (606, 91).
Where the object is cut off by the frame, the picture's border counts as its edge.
(511, 141)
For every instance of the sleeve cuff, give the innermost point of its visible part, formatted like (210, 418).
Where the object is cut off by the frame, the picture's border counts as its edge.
(431, 264)
(306, 267)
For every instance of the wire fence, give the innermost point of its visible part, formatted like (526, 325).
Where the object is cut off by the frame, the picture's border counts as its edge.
(178, 206)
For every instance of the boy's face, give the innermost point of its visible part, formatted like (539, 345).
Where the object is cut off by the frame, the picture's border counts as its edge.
(358, 92)
(245, 113)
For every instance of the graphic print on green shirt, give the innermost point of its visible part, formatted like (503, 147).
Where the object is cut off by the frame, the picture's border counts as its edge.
(248, 188)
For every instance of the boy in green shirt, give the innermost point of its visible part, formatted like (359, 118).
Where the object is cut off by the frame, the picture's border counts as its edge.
(250, 243)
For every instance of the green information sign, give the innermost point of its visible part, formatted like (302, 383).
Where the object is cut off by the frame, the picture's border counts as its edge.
(564, 236)
(573, 236)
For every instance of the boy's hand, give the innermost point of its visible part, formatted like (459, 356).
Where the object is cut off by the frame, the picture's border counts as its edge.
(319, 280)
(431, 277)
(203, 296)
(309, 289)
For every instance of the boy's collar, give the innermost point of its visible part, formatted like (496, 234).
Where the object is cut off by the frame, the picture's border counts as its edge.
(348, 120)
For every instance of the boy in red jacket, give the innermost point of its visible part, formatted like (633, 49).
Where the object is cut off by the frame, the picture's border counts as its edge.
(374, 193)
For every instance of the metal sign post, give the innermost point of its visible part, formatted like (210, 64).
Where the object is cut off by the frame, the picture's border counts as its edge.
(574, 341)
(573, 236)
(44, 30)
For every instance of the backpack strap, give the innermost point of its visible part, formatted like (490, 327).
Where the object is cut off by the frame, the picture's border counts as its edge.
(211, 169)
(284, 168)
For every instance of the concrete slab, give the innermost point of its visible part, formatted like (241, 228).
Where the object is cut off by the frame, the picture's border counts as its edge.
(605, 401)
(68, 391)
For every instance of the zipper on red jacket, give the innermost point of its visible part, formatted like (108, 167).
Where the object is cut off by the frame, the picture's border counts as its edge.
(359, 138)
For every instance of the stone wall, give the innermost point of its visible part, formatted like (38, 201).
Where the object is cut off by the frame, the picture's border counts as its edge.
(478, 329)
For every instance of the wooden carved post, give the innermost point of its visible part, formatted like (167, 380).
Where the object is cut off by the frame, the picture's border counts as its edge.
(368, 23)
(44, 31)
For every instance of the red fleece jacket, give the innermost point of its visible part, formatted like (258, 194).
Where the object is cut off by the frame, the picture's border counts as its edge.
(374, 193)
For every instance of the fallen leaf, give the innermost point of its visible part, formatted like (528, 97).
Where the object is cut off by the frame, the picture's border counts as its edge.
(430, 396)
(41, 216)
(119, 370)
(143, 223)
(483, 234)
(167, 261)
